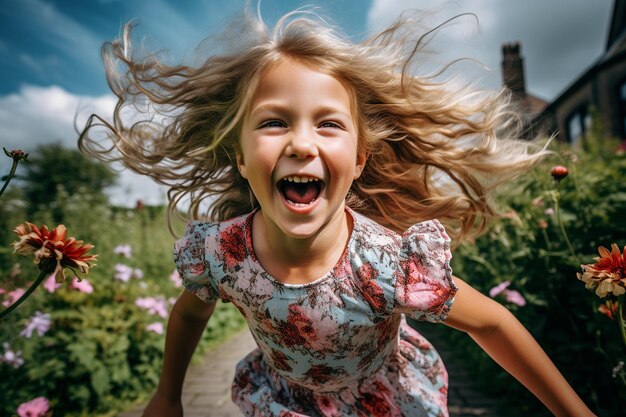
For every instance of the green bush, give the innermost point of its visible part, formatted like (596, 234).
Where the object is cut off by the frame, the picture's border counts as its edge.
(527, 247)
(98, 355)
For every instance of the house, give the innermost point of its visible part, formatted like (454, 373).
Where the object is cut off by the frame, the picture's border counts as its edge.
(527, 105)
(601, 88)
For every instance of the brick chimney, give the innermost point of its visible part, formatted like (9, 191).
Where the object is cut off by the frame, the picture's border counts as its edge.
(513, 69)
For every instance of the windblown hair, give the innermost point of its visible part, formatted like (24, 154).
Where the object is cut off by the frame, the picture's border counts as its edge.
(433, 151)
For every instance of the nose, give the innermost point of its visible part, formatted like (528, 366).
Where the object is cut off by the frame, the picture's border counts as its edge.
(302, 145)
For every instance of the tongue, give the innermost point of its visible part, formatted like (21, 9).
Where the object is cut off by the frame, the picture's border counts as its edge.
(301, 193)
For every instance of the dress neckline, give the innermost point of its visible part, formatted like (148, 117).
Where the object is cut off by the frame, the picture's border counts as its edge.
(333, 272)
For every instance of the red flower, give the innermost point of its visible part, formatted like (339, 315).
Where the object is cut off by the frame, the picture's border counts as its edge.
(16, 154)
(608, 274)
(559, 172)
(609, 309)
(233, 245)
(53, 251)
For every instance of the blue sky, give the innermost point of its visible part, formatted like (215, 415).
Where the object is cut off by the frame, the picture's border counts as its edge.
(50, 67)
(57, 42)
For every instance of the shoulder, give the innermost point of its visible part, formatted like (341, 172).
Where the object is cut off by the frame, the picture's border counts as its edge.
(370, 234)
(205, 237)
(422, 236)
(426, 237)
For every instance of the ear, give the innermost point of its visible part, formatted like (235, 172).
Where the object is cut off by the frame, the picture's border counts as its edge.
(241, 166)
(361, 159)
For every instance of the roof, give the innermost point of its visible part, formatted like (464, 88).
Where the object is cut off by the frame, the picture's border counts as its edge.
(618, 23)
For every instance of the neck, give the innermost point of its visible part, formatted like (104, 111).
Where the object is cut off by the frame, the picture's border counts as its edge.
(300, 260)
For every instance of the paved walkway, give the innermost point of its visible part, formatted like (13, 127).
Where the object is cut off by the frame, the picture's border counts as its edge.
(206, 392)
(464, 398)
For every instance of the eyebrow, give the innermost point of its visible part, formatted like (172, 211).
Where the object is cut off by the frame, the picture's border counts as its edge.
(279, 108)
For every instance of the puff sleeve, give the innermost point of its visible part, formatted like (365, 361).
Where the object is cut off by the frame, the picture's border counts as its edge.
(191, 262)
(424, 289)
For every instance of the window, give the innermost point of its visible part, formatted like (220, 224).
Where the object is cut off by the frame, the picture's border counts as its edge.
(578, 124)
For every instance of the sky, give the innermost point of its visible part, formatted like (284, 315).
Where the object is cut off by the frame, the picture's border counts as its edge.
(52, 78)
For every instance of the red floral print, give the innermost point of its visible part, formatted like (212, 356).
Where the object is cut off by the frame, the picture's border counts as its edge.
(297, 330)
(233, 245)
(372, 293)
(320, 374)
(339, 346)
(280, 361)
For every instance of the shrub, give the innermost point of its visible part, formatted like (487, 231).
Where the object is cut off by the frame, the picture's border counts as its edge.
(527, 247)
(99, 353)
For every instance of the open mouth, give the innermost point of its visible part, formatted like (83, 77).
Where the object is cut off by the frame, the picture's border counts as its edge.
(300, 190)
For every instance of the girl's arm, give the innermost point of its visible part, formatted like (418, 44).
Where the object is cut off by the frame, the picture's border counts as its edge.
(508, 342)
(187, 321)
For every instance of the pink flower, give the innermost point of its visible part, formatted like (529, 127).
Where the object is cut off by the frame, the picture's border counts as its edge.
(176, 279)
(510, 296)
(81, 285)
(13, 296)
(137, 273)
(156, 327)
(12, 358)
(514, 297)
(34, 408)
(123, 272)
(50, 284)
(153, 305)
(499, 288)
(40, 323)
(124, 250)
(16, 270)
(510, 214)
(549, 211)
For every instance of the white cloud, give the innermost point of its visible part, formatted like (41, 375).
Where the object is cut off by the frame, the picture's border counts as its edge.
(384, 12)
(462, 37)
(560, 38)
(38, 115)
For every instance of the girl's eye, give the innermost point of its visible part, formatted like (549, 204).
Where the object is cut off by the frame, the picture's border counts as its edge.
(330, 124)
(272, 123)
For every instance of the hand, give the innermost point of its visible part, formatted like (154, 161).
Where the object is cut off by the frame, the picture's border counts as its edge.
(161, 406)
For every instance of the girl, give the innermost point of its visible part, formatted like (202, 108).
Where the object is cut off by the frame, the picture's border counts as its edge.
(326, 162)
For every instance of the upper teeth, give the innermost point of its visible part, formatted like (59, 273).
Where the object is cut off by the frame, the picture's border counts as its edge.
(298, 178)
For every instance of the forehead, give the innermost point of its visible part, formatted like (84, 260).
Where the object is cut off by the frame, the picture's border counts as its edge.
(294, 82)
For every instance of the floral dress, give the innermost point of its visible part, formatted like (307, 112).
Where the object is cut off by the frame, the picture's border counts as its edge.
(340, 345)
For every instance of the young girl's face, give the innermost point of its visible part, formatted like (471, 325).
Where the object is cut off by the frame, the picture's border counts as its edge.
(299, 148)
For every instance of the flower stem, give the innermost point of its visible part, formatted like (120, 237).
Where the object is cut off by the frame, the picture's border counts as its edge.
(620, 319)
(32, 288)
(10, 176)
(557, 197)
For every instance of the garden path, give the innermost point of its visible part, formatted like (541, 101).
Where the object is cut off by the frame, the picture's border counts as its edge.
(206, 392)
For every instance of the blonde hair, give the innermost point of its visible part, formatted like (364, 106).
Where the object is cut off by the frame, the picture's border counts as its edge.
(433, 151)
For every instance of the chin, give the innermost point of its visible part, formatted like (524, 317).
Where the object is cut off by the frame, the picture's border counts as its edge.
(300, 231)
